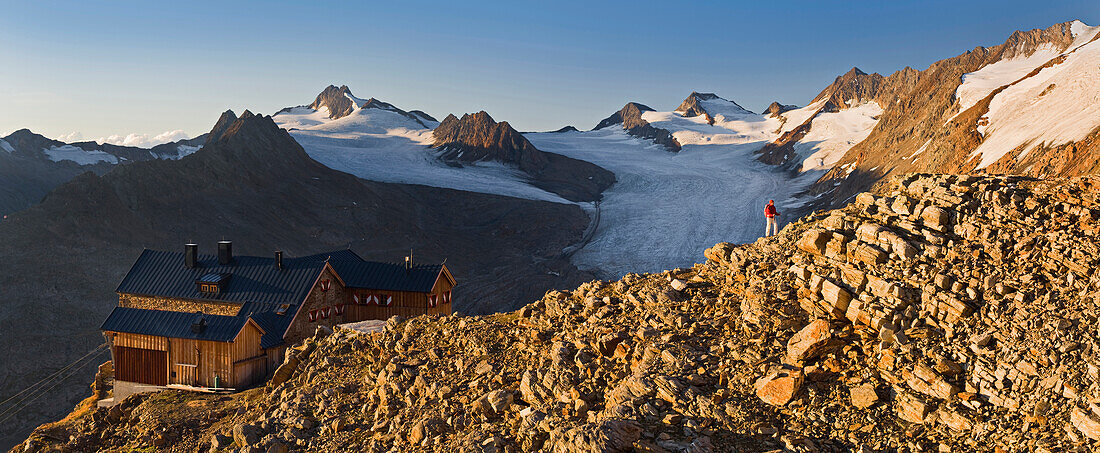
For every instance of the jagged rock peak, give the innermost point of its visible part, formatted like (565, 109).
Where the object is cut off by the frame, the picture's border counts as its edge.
(569, 128)
(477, 130)
(476, 137)
(630, 113)
(1024, 43)
(338, 101)
(248, 126)
(850, 89)
(776, 109)
(630, 117)
(224, 121)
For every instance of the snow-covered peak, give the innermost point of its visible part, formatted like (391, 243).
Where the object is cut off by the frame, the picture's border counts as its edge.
(335, 104)
(977, 85)
(1055, 105)
(1082, 34)
(710, 104)
(359, 102)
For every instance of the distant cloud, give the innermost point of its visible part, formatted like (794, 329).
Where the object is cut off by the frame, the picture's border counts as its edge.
(71, 137)
(144, 140)
(138, 140)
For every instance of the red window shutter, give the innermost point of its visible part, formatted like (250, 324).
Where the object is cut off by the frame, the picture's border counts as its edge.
(387, 300)
(355, 298)
(433, 300)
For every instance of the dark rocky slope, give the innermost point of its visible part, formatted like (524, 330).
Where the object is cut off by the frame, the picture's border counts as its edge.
(630, 119)
(477, 137)
(252, 183)
(27, 174)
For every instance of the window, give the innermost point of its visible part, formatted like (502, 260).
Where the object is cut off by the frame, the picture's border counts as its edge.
(282, 309)
(447, 297)
(385, 300)
(325, 285)
(433, 300)
(339, 309)
(313, 315)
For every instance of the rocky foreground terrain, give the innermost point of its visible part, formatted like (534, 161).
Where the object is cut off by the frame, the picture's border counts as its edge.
(941, 313)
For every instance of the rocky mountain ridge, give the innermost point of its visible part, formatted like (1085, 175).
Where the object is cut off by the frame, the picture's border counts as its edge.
(926, 127)
(851, 89)
(477, 137)
(630, 118)
(941, 313)
(31, 165)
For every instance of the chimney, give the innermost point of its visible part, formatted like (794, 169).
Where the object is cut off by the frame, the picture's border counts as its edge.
(225, 252)
(408, 264)
(278, 259)
(191, 255)
(199, 324)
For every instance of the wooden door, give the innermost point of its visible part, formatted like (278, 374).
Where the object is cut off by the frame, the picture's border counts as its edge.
(145, 366)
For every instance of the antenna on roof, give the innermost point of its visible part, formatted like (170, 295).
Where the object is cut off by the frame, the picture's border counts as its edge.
(409, 262)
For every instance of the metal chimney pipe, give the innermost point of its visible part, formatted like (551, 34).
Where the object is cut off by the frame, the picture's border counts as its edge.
(278, 259)
(225, 252)
(190, 255)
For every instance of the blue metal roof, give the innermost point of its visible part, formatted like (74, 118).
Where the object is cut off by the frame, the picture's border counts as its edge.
(213, 278)
(173, 324)
(254, 279)
(274, 325)
(358, 273)
(254, 282)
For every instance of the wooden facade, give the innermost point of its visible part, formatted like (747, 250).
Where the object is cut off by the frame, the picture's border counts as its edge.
(156, 360)
(404, 303)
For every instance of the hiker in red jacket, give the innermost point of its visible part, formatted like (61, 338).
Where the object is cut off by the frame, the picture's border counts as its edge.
(770, 213)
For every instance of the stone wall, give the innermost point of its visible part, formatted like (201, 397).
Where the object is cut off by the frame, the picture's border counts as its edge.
(302, 327)
(184, 305)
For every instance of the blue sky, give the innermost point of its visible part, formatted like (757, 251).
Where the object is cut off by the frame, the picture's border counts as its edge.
(122, 67)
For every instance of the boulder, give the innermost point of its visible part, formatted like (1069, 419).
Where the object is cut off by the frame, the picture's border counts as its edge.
(835, 295)
(245, 435)
(607, 436)
(1086, 423)
(863, 395)
(911, 408)
(814, 240)
(780, 387)
(935, 217)
(808, 342)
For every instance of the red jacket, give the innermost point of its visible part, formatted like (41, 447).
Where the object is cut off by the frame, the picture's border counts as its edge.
(769, 211)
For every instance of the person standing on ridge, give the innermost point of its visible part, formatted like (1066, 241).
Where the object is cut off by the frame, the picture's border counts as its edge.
(770, 213)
